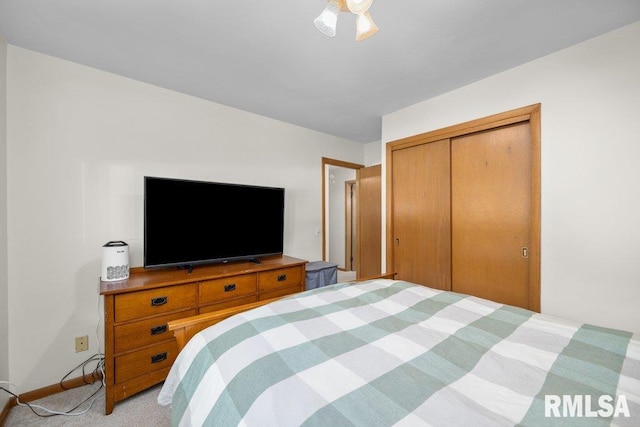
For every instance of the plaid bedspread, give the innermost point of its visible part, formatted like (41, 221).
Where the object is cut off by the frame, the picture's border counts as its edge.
(388, 352)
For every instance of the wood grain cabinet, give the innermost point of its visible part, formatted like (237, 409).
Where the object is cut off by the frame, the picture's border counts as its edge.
(139, 349)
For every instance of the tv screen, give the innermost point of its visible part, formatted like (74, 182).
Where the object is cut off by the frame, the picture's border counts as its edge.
(194, 222)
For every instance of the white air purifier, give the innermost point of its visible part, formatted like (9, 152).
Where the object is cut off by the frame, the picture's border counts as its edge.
(115, 261)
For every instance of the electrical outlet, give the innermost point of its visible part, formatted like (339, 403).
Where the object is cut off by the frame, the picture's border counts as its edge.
(82, 343)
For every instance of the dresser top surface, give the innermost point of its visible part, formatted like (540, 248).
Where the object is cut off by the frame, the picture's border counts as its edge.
(141, 279)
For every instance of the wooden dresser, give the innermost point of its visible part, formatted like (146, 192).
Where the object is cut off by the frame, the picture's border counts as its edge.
(139, 349)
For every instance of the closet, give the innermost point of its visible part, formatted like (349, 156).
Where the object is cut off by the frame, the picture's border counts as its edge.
(464, 208)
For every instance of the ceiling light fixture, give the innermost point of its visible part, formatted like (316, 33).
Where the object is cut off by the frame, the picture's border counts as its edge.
(328, 20)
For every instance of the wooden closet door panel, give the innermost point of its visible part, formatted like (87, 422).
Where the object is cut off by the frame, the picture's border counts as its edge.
(491, 181)
(421, 214)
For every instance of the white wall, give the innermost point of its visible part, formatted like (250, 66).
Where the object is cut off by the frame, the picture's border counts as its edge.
(4, 290)
(590, 95)
(372, 154)
(79, 143)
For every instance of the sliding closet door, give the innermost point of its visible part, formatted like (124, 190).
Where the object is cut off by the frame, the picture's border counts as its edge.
(490, 214)
(421, 214)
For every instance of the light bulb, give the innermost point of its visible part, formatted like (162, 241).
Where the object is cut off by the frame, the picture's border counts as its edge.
(359, 6)
(327, 21)
(365, 27)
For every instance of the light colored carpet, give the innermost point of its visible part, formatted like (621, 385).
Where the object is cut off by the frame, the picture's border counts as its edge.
(141, 409)
(345, 276)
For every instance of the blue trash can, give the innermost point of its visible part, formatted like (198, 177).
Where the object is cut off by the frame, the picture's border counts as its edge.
(320, 273)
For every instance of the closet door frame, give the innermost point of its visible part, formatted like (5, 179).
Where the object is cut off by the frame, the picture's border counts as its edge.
(529, 114)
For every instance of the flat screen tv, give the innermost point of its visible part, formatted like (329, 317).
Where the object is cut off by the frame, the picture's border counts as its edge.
(187, 223)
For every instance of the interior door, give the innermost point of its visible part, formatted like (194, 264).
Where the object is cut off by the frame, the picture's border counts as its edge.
(490, 214)
(369, 221)
(421, 214)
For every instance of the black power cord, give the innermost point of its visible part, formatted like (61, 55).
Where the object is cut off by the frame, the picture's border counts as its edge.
(96, 374)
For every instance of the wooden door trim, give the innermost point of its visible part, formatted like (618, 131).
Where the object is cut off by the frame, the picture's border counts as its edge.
(536, 216)
(348, 224)
(332, 162)
(532, 114)
(496, 120)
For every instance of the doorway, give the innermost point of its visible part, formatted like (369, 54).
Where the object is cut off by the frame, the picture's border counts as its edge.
(351, 216)
(335, 175)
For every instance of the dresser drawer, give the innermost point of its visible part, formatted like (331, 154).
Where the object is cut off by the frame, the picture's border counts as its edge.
(228, 304)
(137, 305)
(228, 287)
(279, 293)
(144, 361)
(280, 278)
(146, 332)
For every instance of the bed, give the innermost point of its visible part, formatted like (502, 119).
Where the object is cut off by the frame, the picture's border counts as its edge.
(387, 352)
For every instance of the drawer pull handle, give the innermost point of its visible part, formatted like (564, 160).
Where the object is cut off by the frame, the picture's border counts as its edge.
(282, 278)
(157, 358)
(158, 329)
(159, 301)
(229, 288)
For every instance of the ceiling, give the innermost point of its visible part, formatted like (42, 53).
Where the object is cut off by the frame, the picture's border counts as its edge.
(266, 57)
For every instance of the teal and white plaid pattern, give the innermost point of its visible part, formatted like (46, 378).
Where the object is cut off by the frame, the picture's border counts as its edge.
(388, 352)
